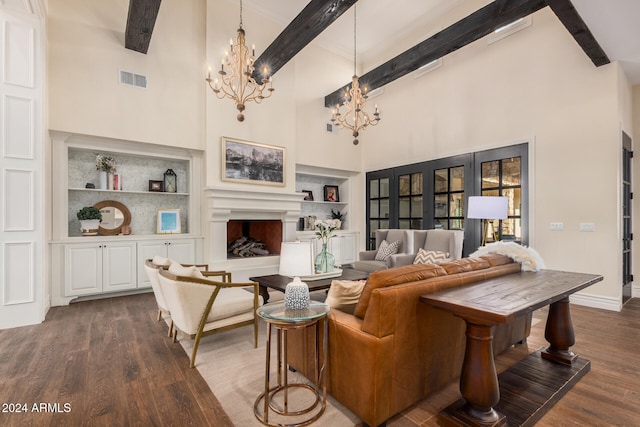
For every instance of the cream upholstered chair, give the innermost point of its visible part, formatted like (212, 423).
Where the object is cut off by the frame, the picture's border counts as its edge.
(200, 306)
(367, 259)
(153, 265)
(449, 241)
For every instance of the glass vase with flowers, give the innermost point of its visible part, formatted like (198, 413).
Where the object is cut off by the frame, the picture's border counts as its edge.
(325, 261)
(106, 165)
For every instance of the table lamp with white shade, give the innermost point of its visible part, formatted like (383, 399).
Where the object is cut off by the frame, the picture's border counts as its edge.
(486, 208)
(296, 259)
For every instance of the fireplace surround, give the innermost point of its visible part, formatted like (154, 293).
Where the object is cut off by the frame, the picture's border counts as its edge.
(227, 207)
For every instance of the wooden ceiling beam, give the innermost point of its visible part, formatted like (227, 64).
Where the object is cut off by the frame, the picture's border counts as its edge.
(313, 20)
(140, 22)
(475, 26)
(571, 19)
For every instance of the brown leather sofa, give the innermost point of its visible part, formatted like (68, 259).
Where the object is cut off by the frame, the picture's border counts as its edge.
(393, 351)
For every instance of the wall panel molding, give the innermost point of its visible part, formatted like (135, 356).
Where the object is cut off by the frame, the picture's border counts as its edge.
(18, 280)
(19, 54)
(18, 138)
(18, 197)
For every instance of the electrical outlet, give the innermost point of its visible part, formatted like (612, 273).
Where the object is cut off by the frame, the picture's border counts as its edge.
(557, 226)
(589, 227)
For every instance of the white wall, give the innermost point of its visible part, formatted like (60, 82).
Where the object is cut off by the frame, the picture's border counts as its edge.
(535, 85)
(86, 52)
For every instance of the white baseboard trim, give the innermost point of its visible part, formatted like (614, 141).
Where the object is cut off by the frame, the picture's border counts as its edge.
(606, 303)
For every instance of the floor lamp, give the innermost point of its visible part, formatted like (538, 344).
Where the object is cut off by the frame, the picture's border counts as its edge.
(486, 208)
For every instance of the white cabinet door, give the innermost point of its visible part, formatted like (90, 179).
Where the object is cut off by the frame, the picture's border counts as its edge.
(118, 266)
(179, 250)
(83, 269)
(345, 248)
(182, 251)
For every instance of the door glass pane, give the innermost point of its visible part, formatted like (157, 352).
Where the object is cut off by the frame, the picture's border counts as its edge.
(457, 204)
(384, 224)
(512, 229)
(373, 188)
(441, 180)
(374, 211)
(384, 208)
(490, 174)
(490, 192)
(405, 224)
(416, 207)
(457, 179)
(457, 224)
(416, 224)
(440, 224)
(404, 185)
(384, 187)
(416, 183)
(373, 226)
(514, 200)
(511, 171)
(405, 207)
(440, 205)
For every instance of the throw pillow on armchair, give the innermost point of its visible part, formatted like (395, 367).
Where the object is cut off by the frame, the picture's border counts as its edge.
(386, 249)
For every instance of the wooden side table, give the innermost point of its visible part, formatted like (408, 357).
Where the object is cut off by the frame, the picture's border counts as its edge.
(276, 398)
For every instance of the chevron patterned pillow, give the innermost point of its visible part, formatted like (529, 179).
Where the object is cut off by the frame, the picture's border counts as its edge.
(386, 249)
(430, 257)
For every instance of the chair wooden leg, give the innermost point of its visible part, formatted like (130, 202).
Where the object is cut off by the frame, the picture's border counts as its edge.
(255, 331)
(196, 343)
(170, 329)
(175, 335)
(159, 315)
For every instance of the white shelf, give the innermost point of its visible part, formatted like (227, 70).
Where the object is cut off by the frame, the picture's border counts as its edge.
(325, 203)
(130, 192)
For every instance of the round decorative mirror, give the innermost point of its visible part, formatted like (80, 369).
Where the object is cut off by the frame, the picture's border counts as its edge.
(115, 215)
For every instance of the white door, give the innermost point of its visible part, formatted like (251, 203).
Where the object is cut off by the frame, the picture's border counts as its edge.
(119, 266)
(83, 269)
(22, 171)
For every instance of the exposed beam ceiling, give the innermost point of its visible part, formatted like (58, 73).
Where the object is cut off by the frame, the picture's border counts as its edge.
(140, 22)
(570, 18)
(312, 21)
(475, 26)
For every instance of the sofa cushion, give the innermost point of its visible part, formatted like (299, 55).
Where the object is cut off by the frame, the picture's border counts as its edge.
(430, 257)
(395, 276)
(497, 259)
(386, 249)
(465, 264)
(190, 271)
(343, 295)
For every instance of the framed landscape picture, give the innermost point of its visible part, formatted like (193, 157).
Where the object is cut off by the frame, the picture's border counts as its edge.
(250, 162)
(168, 221)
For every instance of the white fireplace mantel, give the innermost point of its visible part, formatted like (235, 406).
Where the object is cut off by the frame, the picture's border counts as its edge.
(225, 203)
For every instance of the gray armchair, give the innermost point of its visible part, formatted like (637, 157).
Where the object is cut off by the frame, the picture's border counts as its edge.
(434, 240)
(366, 259)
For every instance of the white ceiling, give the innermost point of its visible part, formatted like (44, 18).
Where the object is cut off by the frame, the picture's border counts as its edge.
(614, 23)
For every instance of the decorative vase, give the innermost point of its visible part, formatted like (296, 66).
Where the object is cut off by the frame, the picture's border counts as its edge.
(110, 181)
(296, 295)
(89, 227)
(102, 184)
(325, 261)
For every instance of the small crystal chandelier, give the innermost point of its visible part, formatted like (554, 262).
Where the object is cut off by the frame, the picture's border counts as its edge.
(236, 82)
(355, 118)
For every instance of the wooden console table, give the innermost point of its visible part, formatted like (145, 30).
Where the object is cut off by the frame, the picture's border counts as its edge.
(500, 300)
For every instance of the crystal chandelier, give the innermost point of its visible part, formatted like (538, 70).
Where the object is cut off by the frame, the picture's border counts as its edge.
(355, 117)
(236, 75)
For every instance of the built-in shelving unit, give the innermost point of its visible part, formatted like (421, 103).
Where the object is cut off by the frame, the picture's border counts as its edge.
(94, 265)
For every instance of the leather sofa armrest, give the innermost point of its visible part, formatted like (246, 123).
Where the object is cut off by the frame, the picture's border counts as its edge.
(367, 255)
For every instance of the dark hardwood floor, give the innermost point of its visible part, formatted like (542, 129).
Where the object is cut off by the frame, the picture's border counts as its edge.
(112, 364)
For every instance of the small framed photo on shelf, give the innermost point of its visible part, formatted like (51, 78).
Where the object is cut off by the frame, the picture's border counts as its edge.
(168, 221)
(157, 186)
(309, 195)
(331, 193)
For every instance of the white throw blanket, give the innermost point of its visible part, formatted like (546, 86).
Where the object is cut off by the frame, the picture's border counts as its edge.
(528, 257)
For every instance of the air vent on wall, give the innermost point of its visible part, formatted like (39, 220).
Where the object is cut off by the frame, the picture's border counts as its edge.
(131, 79)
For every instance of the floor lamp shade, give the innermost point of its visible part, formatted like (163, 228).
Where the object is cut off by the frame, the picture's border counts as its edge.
(296, 259)
(488, 207)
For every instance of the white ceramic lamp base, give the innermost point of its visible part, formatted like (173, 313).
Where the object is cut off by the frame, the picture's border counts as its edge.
(296, 295)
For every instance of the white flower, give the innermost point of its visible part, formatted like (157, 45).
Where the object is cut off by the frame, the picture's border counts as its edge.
(105, 163)
(325, 228)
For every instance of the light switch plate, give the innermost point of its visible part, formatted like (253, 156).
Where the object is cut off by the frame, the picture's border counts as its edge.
(588, 227)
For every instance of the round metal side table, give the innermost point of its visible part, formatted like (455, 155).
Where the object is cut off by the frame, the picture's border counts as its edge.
(284, 320)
